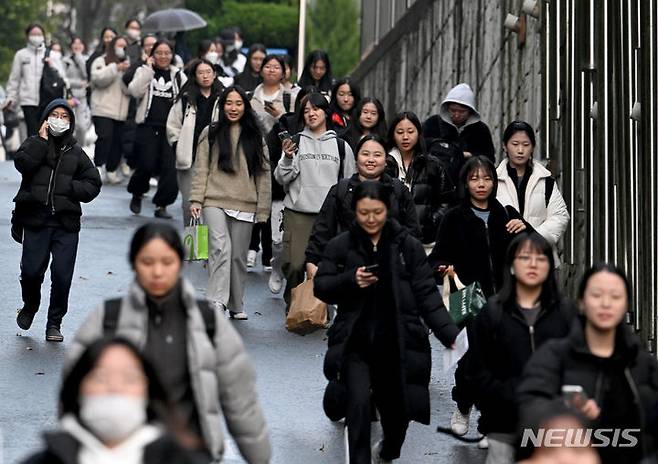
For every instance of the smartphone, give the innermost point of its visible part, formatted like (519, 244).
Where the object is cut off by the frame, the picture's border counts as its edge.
(269, 104)
(372, 268)
(574, 395)
(284, 135)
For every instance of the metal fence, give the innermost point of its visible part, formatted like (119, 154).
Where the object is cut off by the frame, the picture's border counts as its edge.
(585, 75)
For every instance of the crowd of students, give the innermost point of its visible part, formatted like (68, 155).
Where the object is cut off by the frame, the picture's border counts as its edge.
(376, 212)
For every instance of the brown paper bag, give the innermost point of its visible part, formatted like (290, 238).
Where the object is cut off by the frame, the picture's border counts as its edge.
(307, 313)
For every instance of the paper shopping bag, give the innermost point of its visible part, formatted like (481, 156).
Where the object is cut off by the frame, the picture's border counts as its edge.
(306, 313)
(195, 241)
(464, 304)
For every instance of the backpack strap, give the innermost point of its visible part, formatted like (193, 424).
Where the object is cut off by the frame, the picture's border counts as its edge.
(548, 191)
(341, 155)
(286, 101)
(208, 315)
(112, 308)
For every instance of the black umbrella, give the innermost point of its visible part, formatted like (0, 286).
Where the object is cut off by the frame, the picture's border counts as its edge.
(173, 20)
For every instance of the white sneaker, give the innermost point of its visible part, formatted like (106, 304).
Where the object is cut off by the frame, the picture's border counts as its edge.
(375, 456)
(125, 170)
(275, 283)
(459, 422)
(484, 443)
(153, 182)
(251, 258)
(113, 178)
(267, 268)
(241, 316)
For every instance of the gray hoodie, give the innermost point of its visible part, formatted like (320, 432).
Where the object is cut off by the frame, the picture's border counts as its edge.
(312, 171)
(462, 94)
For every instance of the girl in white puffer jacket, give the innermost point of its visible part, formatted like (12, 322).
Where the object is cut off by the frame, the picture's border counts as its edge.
(529, 187)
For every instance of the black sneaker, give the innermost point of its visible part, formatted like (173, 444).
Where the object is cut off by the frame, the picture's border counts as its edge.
(136, 204)
(161, 212)
(24, 318)
(54, 335)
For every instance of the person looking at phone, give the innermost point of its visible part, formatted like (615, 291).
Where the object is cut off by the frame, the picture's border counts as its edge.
(109, 106)
(520, 318)
(377, 275)
(271, 100)
(603, 356)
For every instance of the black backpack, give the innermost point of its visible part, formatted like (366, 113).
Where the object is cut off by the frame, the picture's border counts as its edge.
(341, 152)
(52, 85)
(112, 309)
(450, 155)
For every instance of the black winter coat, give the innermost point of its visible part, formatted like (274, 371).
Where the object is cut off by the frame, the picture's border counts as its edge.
(474, 138)
(415, 296)
(63, 448)
(337, 215)
(54, 186)
(432, 190)
(287, 122)
(569, 362)
(476, 250)
(501, 345)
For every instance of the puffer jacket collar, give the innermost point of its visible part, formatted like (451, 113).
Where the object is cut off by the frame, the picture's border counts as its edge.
(627, 344)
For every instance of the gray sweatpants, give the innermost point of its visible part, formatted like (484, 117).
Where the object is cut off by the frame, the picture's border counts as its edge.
(228, 243)
(185, 185)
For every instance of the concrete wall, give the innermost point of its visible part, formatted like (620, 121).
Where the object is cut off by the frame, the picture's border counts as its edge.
(438, 44)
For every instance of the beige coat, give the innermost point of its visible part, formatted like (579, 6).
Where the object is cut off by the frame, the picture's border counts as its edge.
(109, 98)
(222, 378)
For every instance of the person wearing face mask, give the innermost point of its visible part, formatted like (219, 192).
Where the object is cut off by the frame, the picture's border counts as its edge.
(337, 215)
(76, 75)
(113, 409)
(529, 187)
(55, 58)
(378, 346)
(133, 29)
(57, 176)
(25, 78)
(232, 61)
(195, 351)
(109, 107)
(603, 358)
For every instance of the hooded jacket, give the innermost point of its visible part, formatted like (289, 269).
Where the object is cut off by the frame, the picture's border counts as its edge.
(549, 220)
(474, 136)
(221, 375)
(624, 386)
(337, 215)
(312, 171)
(54, 184)
(415, 305)
(110, 97)
(502, 344)
(25, 75)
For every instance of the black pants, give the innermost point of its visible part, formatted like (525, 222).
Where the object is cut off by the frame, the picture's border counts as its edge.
(38, 245)
(108, 146)
(362, 375)
(32, 116)
(153, 154)
(463, 393)
(261, 234)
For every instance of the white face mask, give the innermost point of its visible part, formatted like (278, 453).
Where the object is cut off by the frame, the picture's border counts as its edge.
(55, 55)
(120, 52)
(238, 45)
(133, 33)
(112, 418)
(35, 40)
(213, 57)
(57, 126)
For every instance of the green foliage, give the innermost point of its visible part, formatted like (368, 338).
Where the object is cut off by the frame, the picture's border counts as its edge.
(273, 24)
(16, 15)
(333, 26)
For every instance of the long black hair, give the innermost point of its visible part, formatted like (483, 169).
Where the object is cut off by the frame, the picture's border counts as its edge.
(69, 396)
(550, 293)
(475, 163)
(257, 47)
(251, 140)
(317, 101)
(355, 131)
(306, 78)
(419, 148)
(191, 90)
(100, 48)
(374, 190)
(356, 93)
(151, 231)
(604, 267)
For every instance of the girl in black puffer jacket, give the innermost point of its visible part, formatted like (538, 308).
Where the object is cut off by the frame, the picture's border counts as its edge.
(601, 355)
(378, 341)
(423, 174)
(56, 176)
(527, 312)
